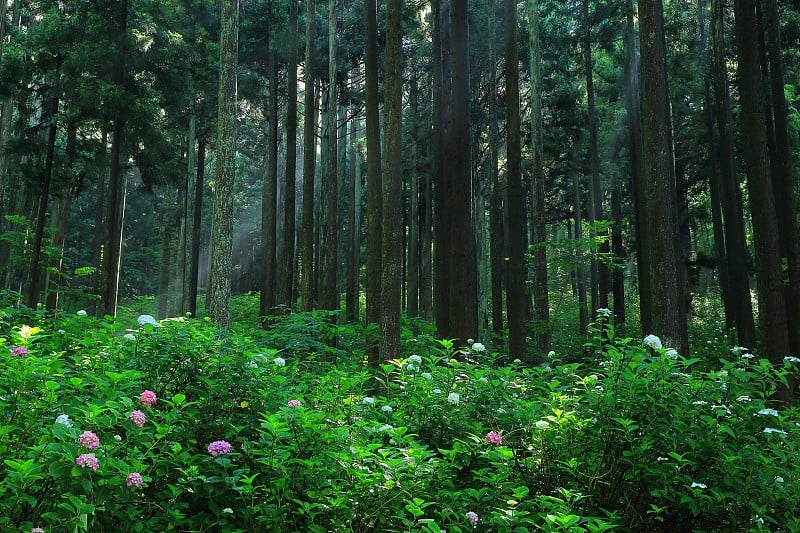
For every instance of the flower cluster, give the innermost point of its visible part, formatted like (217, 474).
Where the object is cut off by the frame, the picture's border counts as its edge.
(651, 341)
(37, 530)
(138, 418)
(146, 319)
(472, 518)
(219, 447)
(279, 361)
(478, 347)
(494, 437)
(64, 420)
(89, 440)
(294, 403)
(134, 478)
(87, 460)
(19, 351)
(82, 312)
(148, 398)
(368, 400)
(453, 398)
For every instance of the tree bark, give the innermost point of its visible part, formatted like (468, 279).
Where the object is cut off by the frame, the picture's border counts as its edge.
(222, 225)
(329, 297)
(374, 178)
(309, 165)
(638, 185)
(269, 201)
(462, 261)
(353, 227)
(731, 202)
(495, 200)
(541, 298)
(516, 292)
(783, 174)
(771, 296)
(661, 219)
(391, 239)
(286, 272)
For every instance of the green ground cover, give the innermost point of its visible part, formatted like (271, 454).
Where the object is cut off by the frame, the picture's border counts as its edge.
(159, 426)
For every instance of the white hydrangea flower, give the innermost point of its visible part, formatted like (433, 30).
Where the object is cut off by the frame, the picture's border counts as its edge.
(64, 420)
(672, 353)
(427, 375)
(778, 479)
(368, 400)
(386, 427)
(118, 438)
(738, 350)
(478, 347)
(453, 398)
(387, 409)
(697, 485)
(436, 391)
(279, 361)
(551, 354)
(82, 312)
(129, 336)
(747, 356)
(146, 319)
(770, 412)
(651, 341)
(62, 332)
(415, 359)
(791, 359)
(542, 424)
(603, 311)
(773, 430)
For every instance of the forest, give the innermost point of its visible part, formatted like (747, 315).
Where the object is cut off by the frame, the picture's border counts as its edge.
(352, 265)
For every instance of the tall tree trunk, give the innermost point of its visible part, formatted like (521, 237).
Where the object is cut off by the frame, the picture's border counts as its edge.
(64, 201)
(580, 268)
(441, 83)
(33, 286)
(412, 263)
(222, 225)
(194, 267)
(353, 227)
(638, 185)
(541, 298)
(715, 181)
(374, 178)
(731, 202)
(286, 273)
(783, 174)
(111, 252)
(98, 236)
(309, 165)
(661, 219)
(595, 205)
(771, 296)
(329, 297)
(391, 239)
(495, 200)
(462, 264)
(191, 176)
(167, 243)
(269, 206)
(426, 244)
(515, 222)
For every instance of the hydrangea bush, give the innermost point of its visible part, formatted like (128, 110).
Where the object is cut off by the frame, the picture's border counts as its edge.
(187, 430)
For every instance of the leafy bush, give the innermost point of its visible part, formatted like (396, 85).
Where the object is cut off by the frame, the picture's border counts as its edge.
(280, 431)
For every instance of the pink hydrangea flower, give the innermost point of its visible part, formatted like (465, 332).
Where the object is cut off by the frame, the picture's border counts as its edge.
(148, 398)
(19, 351)
(87, 460)
(219, 447)
(472, 518)
(138, 418)
(494, 438)
(294, 403)
(89, 440)
(134, 478)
